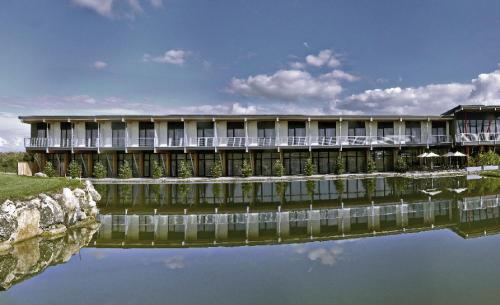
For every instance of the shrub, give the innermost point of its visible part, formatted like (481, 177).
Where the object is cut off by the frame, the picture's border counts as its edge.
(488, 158)
(339, 166)
(157, 170)
(216, 169)
(471, 161)
(279, 169)
(309, 168)
(246, 168)
(185, 170)
(74, 170)
(49, 169)
(401, 165)
(8, 160)
(371, 167)
(125, 170)
(100, 170)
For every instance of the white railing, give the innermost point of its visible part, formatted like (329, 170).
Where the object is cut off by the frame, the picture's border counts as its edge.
(87, 143)
(36, 142)
(231, 142)
(145, 142)
(261, 142)
(113, 142)
(292, 141)
(484, 137)
(202, 142)
(323, 141)
(438, 139)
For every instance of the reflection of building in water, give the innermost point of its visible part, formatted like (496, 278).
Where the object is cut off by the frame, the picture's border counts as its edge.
(467, 216)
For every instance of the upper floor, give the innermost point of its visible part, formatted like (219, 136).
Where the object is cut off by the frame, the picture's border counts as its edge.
(234, 132)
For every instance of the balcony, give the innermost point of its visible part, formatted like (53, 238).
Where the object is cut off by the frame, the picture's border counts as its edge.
(483, 138)
(146, 142)
(86, 143)
(36, 142)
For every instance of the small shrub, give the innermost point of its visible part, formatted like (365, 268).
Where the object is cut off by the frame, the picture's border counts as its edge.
(74, 170)
(471, 161)
(157, 170)
(279, 169)
(309, 168)
(246, 168)
(339, 166)
(185, 170)
(216, 169)
(49, 169)
(125, 170)
(401, 165)
(100, 170)
(488, 158)
(371, 167)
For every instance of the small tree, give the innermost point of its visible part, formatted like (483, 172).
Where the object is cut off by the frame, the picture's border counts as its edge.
(100, 170)
(471, 161)
(74, 170)
(185, 170)
(401, 165)
(246, 168)
(216, 169)
(309, 168)
(488, 158)
(371, 167)
(125, 171)
(157, 170)
(49, 169)
(339, 166)
(279, 169)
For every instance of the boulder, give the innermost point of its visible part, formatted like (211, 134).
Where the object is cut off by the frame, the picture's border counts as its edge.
(89, 188)
(51, 212)
(70, 205)
(41, 175)
(8, 220)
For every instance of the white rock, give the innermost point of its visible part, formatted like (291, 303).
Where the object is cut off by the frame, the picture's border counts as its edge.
(41, 175)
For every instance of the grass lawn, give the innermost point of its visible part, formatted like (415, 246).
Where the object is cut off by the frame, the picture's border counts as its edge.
(494, 173)
(21, 187)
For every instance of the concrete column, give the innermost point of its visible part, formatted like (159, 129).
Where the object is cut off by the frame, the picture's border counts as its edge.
(283, 224)
(252, 225)
(190, 227)
(221, 227)
(132, 227)
(313, 222)
(105, 228)
(161, 227)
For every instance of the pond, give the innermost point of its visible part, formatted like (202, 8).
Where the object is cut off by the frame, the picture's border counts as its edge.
(364, 241)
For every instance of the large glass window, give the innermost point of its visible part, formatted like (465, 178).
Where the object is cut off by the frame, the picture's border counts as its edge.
(266, 133)
(384, 160)
(118, 134)
(236, 134)
(149, 159)
(39, 130)
(438, 132)
(205, 133)
(175, 161)
(264, 163)
(356, 129)
(175, 133)
(146, 134)
(327, 129)
(91, 134)
(355, 161)
(66, 136)
(385, 129)
(234, 163)
(413, 132)
(325, 161)
(294, 162)
(296, 133)
(205, 163)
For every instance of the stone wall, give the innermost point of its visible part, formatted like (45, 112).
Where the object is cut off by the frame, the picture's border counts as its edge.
(49, 215)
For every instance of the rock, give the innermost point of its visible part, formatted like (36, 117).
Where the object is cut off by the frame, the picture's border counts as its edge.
(91, 190)
(41, 175)
(28, 223)
(70, 205)
(51, 212)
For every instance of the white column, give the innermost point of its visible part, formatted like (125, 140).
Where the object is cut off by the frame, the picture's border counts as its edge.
(215, 134)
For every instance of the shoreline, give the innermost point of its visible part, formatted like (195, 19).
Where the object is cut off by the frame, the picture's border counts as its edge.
(196, 180)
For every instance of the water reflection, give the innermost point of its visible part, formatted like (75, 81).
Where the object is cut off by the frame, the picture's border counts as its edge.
(289, 212)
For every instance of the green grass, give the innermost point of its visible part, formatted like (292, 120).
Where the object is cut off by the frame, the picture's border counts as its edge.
(22, 187)
(494, 173)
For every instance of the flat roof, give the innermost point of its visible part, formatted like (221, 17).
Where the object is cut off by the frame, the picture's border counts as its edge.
(180, 117)
(459, 108)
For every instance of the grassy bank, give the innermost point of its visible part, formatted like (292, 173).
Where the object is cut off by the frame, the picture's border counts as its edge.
(21, 187)
(495, 173)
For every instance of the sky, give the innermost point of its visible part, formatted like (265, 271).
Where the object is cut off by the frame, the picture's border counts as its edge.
(243, 57)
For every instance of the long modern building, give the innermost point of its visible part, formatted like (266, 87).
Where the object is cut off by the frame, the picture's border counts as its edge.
(261, 139)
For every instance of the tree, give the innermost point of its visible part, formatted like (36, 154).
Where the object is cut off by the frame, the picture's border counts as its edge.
(216, 169)
(371, 167)
(309, 168)
(49, 169)
(401, 165)
(157, 170)
(279, 169)
(75, 169)
(125, 171)
(185, 170)
(100, 170)
(246, 168)
(488, 158)
(339, 166)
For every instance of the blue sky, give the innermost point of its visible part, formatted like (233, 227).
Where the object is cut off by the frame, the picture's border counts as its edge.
(233, 56)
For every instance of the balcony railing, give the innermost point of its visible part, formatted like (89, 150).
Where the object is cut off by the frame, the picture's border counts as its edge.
(474, 138)
(255, 142)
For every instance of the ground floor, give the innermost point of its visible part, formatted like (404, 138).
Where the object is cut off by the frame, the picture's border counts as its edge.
(325, 161)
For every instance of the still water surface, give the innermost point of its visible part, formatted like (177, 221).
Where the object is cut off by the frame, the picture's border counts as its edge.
(382, 241)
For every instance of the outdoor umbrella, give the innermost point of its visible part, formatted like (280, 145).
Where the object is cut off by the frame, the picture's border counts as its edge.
(458, 154)
(422, 155)
(432, 155)
(449, 155)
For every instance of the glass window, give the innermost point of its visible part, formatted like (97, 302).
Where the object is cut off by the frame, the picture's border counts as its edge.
(235, 129)
(327, 129)
(118, 134)
(66, 134)
(385, 129)
(296, 129)
(205, 163)
(91, 134)
(175, 133)
(146, 134)
(412, 131)
(356, 128)
(264, 163)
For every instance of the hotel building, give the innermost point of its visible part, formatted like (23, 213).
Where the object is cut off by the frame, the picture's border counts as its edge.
(200, 140)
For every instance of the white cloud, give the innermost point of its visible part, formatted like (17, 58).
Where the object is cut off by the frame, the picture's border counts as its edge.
(287, 85)
(102, 7)
(296, 65)
(174, 56)
(12, 132)
(340, 75)
(156, 3)
(325, 57)
(100, 65)
(175, 262)
(326, 256)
